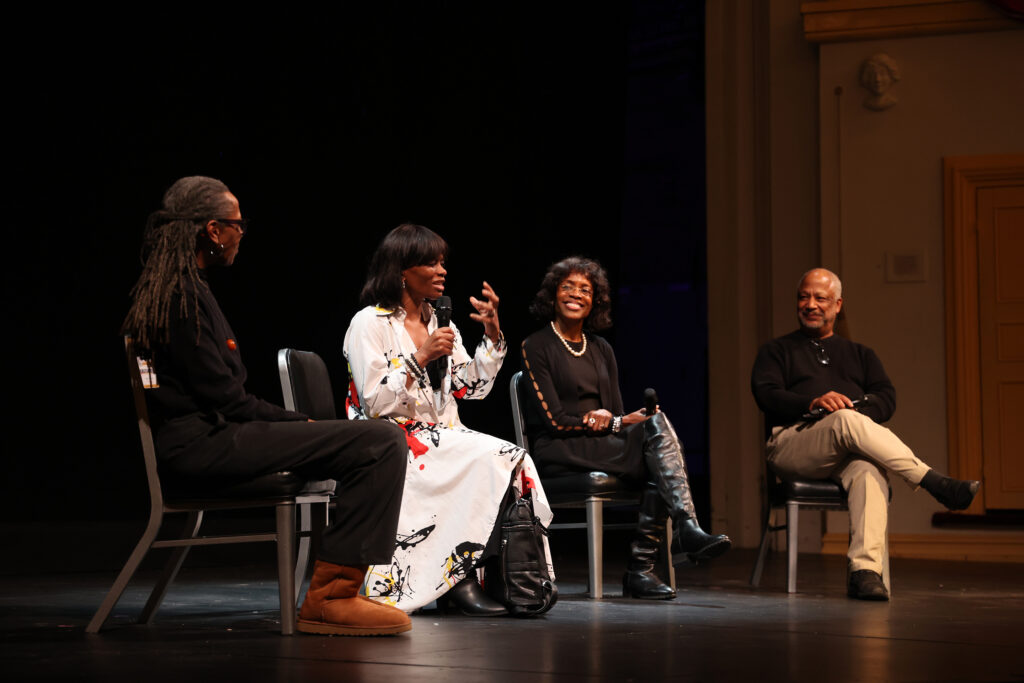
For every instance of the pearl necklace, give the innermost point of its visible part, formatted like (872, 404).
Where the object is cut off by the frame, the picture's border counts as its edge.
(565, 342)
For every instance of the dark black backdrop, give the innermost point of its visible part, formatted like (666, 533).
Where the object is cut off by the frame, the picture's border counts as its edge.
(521, 133)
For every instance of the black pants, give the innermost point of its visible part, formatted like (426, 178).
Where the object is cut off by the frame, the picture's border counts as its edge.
(366, 457)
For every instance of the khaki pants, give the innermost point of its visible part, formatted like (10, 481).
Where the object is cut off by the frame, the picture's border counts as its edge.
(857, 452)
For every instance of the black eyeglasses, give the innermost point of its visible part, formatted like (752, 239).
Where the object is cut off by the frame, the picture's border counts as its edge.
(820, 353)
(241, 223)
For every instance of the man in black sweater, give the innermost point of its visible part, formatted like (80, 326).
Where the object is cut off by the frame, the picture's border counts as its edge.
(806, 383)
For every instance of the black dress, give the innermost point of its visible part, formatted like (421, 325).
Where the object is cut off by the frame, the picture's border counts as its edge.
(561, 388)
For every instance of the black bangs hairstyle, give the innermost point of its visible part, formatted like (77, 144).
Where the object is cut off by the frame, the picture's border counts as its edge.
(406, 246)
(543, 306)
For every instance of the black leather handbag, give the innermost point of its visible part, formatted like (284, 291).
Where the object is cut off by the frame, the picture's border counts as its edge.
(518, 577)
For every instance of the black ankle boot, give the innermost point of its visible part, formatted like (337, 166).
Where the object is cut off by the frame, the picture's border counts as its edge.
(467, 597)
(640, 581)
(696, 543)
(644, 584)
(955, 494)
(664, 455)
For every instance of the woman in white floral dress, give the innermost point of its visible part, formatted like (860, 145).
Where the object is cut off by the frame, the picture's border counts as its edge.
(407, 369)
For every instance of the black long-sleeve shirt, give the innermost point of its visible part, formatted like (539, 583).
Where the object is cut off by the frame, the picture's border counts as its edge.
(554, 409)
(202, 382)
(788, 375)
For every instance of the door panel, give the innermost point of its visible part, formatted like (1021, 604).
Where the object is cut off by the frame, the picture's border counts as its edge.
(1000, 224)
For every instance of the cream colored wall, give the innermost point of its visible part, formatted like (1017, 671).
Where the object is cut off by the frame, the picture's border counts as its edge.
(734, 275)
(762, 177)
(792, 94)
(881, 180)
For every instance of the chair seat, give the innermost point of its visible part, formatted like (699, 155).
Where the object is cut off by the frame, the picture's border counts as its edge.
(573, 486)
(278, 484)
(811, 491)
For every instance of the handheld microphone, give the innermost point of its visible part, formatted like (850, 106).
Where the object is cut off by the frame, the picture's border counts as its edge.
(819, 413)
(650, 401)
(443, 310)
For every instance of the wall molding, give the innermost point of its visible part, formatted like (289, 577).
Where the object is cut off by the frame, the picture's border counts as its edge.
(981, 546)
(834, 21)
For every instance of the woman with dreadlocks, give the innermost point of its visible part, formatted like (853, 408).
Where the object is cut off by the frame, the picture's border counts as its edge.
(211, 432)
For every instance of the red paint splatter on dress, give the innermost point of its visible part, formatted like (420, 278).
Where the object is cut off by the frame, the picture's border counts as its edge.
(353, 395)
(417, 447)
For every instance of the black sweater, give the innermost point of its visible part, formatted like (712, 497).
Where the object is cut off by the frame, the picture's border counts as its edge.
(202, 381)
(788, 375)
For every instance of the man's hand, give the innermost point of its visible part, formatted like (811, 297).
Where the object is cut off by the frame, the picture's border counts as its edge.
(831, 402)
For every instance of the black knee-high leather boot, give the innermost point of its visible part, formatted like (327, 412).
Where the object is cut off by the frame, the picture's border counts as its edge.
(640, 581)
(664, 455)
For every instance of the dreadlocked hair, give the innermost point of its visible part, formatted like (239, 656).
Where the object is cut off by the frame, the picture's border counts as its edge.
(169, 258)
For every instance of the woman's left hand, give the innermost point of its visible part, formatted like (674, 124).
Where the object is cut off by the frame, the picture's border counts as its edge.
(487, 312)
(599, 420)
(636, 417)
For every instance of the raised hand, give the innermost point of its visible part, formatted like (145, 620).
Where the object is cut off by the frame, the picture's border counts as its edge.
(487, 312)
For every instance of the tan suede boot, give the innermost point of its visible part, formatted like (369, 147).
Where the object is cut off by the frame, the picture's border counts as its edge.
(333, 605)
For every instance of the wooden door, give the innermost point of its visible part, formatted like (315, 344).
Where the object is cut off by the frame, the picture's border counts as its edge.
(1000, 223)
(984, 272)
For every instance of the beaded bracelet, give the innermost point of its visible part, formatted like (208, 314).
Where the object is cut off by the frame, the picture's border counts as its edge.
(417, 372)
(616, 424)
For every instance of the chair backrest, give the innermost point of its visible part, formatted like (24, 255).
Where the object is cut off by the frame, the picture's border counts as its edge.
(518, 416)
(306, 384)
(139, 386)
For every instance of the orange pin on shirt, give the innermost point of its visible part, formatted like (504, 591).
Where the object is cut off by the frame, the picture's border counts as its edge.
(232, 345)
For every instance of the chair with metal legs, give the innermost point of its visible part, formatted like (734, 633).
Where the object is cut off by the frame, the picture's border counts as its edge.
(795, 495)
(283, 491)
(591, 491)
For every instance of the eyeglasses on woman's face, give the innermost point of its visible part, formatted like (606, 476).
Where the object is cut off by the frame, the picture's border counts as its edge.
(582, 290)
(239, 224)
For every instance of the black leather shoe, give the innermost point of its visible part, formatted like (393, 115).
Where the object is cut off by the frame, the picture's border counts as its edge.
(866, 585)
(645, 585)
(955, 494)
(697, 544)
(467, 597)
